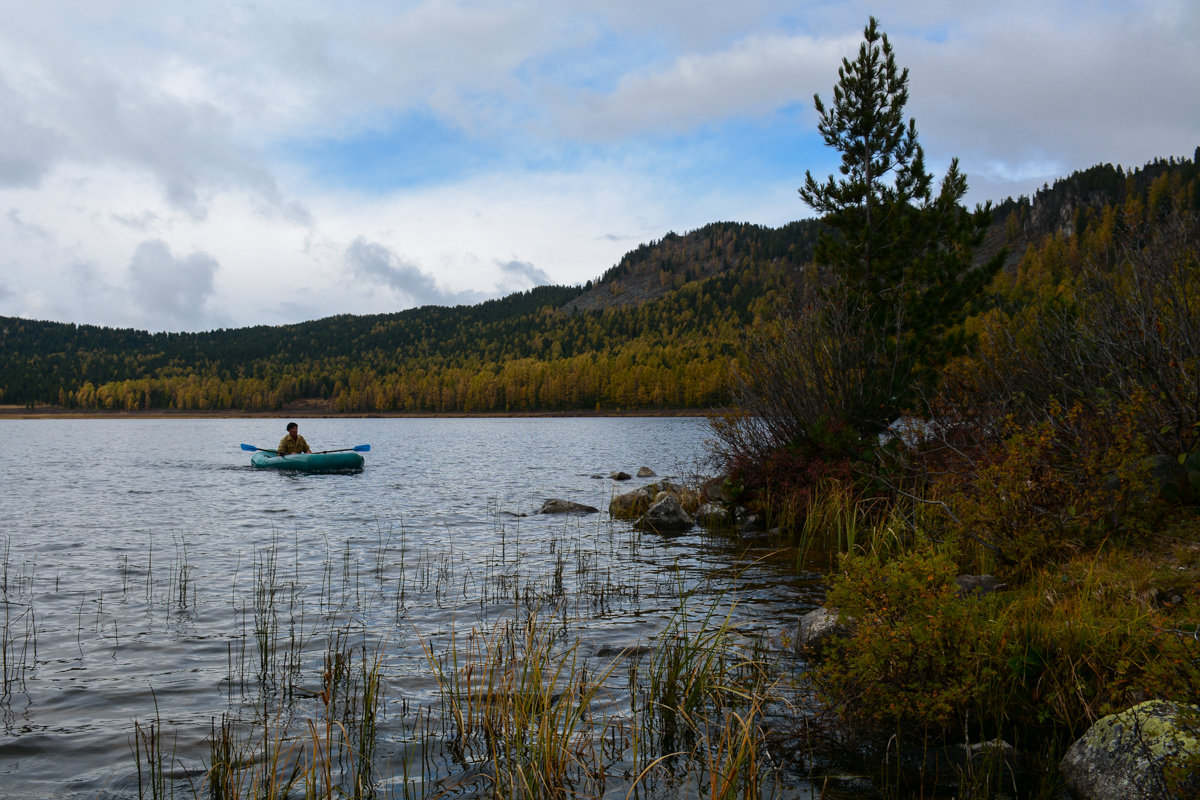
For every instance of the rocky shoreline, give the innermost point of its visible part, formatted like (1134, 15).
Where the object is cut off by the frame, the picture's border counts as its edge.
(1125, 754)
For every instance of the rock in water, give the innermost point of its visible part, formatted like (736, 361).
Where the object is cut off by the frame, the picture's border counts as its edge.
(714, 517)
(566, 507)
(817, 628)
(1150, 750)
(630, 505)
(665, 516)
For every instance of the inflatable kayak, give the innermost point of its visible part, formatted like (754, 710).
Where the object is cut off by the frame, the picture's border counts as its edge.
(309, 462)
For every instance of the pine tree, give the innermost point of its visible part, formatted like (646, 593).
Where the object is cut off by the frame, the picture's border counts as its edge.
(882, 163)
(899, 251)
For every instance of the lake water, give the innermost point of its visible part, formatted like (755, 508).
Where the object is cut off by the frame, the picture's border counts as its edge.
(135, 553)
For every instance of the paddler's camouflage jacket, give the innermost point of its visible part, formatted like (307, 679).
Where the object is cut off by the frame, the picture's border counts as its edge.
(287, 445)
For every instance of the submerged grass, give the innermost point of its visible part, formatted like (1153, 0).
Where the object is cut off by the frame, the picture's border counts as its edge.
(520, 699)
(705, 702)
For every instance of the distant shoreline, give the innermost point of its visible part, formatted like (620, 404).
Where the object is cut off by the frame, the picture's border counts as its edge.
(56, 412)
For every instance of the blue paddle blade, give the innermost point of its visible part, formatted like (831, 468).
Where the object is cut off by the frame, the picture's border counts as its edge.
(249, 447)
(362, 448)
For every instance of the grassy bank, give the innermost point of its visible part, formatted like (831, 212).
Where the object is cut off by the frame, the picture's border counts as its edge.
(1032, 654)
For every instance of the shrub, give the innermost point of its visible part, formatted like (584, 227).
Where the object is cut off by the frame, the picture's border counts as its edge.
(1096, 637)
(818, 378)
(1054, 488)
(916, 656)
(1121, 322)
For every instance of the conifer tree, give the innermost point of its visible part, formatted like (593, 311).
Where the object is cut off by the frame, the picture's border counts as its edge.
(899, 251)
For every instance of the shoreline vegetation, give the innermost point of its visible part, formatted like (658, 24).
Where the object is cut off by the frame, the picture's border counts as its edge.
(999, 469)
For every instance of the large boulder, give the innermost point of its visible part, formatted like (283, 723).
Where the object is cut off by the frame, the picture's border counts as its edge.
(682, 494)
(631, 505)
(566, 507)
(666, 516)
(1150, 750)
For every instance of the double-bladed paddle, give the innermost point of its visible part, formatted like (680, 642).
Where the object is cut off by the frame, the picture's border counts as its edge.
(361, 448)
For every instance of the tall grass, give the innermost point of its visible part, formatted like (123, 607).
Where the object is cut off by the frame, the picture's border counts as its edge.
(702, 706)
(18, 624)
(324, 750)
(833, 523)
(519, 699)
(521, 706)
(840, 519)
(153, 761)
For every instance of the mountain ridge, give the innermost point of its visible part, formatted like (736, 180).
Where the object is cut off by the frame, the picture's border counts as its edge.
(668, 306)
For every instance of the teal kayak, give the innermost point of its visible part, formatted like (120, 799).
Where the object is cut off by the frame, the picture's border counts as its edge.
(309, 462)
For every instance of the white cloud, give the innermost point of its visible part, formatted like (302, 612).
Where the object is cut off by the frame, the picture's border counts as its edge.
(583, 129)
(1032, 95)
(29, 147)
(377, 264)
(752, 77)
(172, 290)
(521, 275)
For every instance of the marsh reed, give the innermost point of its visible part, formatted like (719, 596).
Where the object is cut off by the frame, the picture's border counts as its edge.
(384, 669)
(18, 623)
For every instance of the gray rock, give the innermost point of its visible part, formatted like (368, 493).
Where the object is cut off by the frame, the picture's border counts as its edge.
(631, 505)
(817, 628)
(750, 523)
(619, 476)
(670, 487)
(632, 651)
(635, 504)
(977, 585)
(666, 516)
(1150, 750)
(718, 489)
(951, 768)
(566, 507)
(645, 472)
(714, 516)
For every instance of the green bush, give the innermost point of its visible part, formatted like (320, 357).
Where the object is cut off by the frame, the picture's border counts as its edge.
(916, 657)
(1054, 488)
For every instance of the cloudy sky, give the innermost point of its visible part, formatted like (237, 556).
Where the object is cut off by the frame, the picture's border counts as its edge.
(192, 165)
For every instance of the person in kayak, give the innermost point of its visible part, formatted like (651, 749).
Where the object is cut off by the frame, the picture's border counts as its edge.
(292, 442)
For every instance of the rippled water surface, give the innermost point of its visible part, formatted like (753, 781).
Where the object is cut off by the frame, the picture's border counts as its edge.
(134, 550)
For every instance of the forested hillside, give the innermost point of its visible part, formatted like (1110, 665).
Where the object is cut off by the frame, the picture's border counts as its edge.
(535, 350)
(659, 330)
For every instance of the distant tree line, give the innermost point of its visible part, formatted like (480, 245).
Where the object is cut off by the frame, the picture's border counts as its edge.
(520, 353)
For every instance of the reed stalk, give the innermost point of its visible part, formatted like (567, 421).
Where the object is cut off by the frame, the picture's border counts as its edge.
(520, 709)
